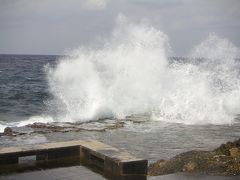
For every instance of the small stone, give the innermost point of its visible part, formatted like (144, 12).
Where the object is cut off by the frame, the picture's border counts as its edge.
(8, 131)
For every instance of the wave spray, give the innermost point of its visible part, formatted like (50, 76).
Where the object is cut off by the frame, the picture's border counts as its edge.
(131, 74)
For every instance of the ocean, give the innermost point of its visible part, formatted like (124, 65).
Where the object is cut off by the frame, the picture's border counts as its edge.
(23, 87)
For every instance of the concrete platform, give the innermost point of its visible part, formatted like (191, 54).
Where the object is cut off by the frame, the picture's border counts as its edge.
(64, 173)
(110, 161)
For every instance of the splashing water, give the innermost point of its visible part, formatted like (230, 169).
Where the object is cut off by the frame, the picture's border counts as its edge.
(2, 127)
(120, 79)
(131, 74)
(206, 89)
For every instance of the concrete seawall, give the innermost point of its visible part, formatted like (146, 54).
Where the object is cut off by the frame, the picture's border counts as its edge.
(109, 161)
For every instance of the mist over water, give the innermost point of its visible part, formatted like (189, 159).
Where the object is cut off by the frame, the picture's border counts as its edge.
(131, 74)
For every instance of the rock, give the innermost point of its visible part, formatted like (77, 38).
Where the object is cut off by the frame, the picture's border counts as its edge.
(224, 148)
(190, 167)
(159, 166)
(8, 131)
(234, 152)
(225, 160)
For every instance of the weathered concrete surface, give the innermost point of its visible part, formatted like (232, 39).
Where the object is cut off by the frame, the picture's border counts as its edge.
(63, 173)
(113, 162)
(110, 160)
(224, 160)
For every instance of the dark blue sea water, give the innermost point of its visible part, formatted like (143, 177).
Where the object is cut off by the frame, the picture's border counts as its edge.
(23, 85)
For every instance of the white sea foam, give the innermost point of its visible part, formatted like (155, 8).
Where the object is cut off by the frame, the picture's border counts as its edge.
(34, 119)
(2, 127)
(119, 79)
(131, 74)
(31, 120)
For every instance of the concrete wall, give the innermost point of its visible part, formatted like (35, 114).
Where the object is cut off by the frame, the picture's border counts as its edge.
(110, 161)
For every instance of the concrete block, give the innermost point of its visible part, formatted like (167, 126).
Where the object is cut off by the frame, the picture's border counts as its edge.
(111, 161)
(134, 167)
(8, 160)
(57, 153)
(114, 161)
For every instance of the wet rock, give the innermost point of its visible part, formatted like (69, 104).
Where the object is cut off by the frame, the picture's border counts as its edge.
(224, 160)
(47, 127)
(115, 126)
(101, 126)
(8, 131)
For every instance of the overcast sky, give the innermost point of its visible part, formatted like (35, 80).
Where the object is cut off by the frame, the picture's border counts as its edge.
(53, 26)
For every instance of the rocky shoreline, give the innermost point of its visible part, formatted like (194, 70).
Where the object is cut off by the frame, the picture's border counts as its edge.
(224, 160)
(64, 127)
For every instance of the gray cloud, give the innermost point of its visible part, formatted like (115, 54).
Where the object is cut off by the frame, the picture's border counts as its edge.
(95, 4)
(52, 26)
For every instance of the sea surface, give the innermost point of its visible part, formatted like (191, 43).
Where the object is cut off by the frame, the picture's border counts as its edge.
(23, 86)
(27, 96)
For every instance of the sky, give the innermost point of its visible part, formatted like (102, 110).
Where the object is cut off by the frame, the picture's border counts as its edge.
(55, 26)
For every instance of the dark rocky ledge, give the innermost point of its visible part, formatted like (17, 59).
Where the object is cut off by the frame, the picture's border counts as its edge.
(99, 125)
(225, 160)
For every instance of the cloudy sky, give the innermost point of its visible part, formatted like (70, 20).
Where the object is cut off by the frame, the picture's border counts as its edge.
(53, 26)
